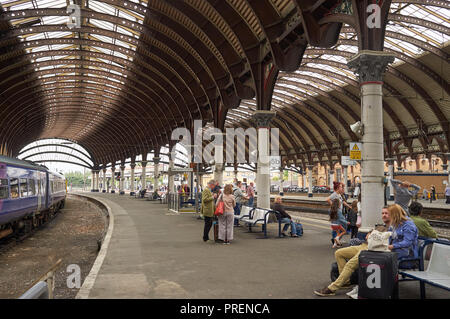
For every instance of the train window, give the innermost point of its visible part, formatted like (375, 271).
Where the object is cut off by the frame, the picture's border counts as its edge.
(31, 187)
(4, 192)
(14, 185)
(51, 187)
(23, 187)
(39, 186)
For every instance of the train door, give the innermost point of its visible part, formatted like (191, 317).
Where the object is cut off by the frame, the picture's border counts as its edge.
(39, 191)
(47, 190)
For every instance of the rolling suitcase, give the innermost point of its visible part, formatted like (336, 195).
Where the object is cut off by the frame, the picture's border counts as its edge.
(378, 275)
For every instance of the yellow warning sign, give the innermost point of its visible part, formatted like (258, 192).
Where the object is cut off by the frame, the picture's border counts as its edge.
(355, 151)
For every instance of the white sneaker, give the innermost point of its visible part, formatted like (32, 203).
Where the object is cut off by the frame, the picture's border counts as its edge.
(354, 293)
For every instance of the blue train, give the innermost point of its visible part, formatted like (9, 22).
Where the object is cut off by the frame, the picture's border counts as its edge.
(30, 195)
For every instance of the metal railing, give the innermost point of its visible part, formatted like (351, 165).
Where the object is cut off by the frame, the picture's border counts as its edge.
(43, 287)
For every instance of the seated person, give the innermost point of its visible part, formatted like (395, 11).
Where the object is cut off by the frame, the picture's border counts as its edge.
(284, 217)
(403, 242)
(424, 227)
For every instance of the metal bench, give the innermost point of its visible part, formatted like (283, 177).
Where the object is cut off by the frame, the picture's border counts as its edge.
(260, 216)
(245, 212)
(438, 269)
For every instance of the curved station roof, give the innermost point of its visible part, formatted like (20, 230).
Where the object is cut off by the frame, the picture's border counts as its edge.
(117, 77)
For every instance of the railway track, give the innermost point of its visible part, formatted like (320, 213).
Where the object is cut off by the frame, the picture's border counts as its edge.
(15, 238)
(437, 217)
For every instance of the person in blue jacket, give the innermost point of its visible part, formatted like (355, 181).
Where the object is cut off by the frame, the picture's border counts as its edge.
(404, 238)
(403, 241)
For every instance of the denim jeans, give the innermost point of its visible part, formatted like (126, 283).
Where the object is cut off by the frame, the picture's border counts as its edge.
(250, 201)
(237, 211)
(288, 221)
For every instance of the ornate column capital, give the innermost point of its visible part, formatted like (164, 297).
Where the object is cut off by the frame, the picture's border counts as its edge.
(144, 163)
(133, 165)
(370, 66)
(122, 167)
(113, 168)
(156, 159)
(263, 118)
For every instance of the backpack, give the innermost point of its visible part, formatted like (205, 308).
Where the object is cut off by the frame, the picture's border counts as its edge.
(299, 229)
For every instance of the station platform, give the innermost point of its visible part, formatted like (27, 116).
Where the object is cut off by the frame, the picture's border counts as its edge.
(156, 254)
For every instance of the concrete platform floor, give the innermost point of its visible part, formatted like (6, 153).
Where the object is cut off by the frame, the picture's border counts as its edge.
(154, 254)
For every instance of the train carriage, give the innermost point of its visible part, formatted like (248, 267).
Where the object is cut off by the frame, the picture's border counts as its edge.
(29, 194)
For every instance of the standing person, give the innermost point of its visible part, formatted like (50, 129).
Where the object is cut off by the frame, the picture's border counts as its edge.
(352, 218)
(216, 190)
(433, 193)
(337, 194)
(402, 193)
(338, 222)
(357, 190)
(358, 219)
(226, 220)
(239, 197)
(425, 194)
(285, 218)
(207, 209)
(447, 194)
(250, 194)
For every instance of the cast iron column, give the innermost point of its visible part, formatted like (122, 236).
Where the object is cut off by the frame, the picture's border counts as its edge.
(263, 119)
(370, 67)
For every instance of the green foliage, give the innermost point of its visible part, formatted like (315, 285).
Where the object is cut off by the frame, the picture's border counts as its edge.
(76, 178)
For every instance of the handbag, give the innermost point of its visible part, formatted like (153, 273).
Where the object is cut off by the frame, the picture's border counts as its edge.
(378, 241)
(220, 207)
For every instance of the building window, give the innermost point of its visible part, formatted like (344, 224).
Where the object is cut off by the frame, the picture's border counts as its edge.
(14, 185)
(31, 187)
(23, 187)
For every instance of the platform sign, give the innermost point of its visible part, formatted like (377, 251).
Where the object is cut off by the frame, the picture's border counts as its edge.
(346, 161)
(355, 151)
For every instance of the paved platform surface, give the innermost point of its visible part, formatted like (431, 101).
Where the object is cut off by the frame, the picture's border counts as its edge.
(154, 254)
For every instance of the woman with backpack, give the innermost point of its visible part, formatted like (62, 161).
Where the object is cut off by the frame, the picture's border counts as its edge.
(338, 222)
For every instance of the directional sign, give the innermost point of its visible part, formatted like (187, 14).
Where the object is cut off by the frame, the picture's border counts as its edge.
(355, 151)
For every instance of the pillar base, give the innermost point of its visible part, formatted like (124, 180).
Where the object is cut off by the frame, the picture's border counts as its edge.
(132, 193)
(391, 197)
(104, 191)
(122, 193)
(96, 190)
(310, 195)
(112, 192)
(281, 193)
(92, 190)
